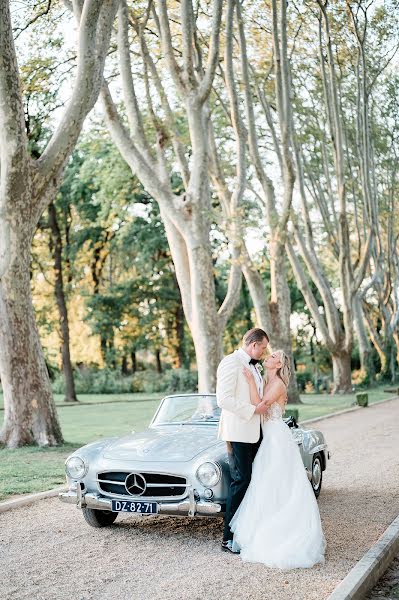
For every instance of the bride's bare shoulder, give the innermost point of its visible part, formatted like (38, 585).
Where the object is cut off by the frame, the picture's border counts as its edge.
(278, 386)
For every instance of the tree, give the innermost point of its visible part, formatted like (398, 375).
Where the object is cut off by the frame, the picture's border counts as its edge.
(335, 176)
(117, 257)
(27, 187)
(272, 307)
(56, 247)
(152, 150)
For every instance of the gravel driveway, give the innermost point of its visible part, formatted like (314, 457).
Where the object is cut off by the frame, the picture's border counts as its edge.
(49, 553)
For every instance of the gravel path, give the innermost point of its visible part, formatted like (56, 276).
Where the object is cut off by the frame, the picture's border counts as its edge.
(49, 553)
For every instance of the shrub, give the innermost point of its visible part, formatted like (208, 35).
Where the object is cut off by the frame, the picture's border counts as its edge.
(362, 399)
(170, 381)
(181, 380)
(96, 381)
(105, 381)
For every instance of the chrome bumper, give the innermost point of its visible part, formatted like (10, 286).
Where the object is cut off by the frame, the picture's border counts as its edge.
(187, 507)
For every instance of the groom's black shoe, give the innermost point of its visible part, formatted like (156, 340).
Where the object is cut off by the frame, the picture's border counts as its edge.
(228, 547)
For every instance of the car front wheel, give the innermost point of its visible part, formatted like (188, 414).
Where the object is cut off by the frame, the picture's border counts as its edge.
(99, 518)
(317, 474)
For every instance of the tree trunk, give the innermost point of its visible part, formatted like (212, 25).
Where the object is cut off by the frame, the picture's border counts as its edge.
(186, 216)
(342, 373)
(124, 369)
(366, 358)
(27, 186)
(205, 323)
(194, 272)
(280, 311)
(158, 360)
(104, 349)
(134, 361)
(70, 392)
(179, 325)
(396, 339)
(29, 411)
(247, 306)
(387, 372)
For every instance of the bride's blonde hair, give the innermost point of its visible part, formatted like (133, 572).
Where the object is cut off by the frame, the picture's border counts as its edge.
(284, 372)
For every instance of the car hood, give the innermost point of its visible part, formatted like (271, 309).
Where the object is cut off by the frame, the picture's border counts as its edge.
(163, 444)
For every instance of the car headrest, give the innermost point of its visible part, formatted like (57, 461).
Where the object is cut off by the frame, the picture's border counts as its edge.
(291, 422)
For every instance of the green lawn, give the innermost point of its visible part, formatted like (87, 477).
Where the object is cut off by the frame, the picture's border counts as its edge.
(317, 405)
(33, 469)
(100, 398)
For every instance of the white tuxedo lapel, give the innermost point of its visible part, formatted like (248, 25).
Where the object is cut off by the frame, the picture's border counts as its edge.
(241, 358)
(238, 421)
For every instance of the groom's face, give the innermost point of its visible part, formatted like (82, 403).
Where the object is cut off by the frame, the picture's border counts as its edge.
(258, 349)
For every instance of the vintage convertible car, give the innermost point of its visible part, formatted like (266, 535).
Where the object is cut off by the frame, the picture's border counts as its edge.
(175, 467)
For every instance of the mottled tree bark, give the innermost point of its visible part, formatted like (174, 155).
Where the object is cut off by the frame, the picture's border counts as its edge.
(365, 350)
(29, 410)
(342, 373)
(26, 188)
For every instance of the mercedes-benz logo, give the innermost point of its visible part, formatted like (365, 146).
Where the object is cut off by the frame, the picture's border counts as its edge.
(135, 484)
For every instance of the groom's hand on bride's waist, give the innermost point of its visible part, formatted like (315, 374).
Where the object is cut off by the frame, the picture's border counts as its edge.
(261, 408)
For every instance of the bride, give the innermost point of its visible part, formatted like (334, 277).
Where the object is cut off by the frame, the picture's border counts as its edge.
(278, 522)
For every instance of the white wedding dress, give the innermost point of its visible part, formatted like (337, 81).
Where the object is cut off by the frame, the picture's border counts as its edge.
(278, 521)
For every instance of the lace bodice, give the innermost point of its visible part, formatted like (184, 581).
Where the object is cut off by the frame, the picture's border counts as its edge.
(274, 412)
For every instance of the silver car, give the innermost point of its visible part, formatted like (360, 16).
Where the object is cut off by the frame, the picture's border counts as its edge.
(175, 467)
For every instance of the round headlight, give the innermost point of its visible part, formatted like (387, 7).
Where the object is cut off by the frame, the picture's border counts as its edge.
(75, 467)
(208, 474)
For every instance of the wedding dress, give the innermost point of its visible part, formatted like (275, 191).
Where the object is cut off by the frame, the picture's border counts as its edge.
(278, 521)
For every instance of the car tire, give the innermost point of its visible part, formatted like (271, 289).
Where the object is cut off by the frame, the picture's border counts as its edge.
(99, 518)
(317, 474)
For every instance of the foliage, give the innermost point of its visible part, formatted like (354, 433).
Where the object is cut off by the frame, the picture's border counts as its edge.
(91, 380)
(171, 381)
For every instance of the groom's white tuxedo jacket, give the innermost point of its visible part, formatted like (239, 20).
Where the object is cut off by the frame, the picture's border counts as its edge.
(238, 421)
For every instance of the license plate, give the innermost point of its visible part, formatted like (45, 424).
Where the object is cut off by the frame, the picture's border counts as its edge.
(133, 506)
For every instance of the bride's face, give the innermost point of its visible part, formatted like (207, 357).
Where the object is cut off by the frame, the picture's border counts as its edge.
(272, 361)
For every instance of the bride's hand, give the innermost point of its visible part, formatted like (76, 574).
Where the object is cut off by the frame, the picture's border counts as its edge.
(248, 374)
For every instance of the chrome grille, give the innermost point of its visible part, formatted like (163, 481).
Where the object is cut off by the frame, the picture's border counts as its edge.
(158, 485)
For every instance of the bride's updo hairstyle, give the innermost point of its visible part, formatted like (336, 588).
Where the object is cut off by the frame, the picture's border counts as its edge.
(284, 372)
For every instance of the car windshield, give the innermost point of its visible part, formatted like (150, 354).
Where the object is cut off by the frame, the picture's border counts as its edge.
(188, 409)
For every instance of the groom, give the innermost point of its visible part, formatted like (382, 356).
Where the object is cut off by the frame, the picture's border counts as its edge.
(240, 420)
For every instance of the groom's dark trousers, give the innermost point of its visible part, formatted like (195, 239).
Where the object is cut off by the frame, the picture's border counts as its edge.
(240, 461)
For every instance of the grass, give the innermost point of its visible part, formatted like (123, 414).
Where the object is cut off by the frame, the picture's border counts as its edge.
(33, 469)
(100, 398)
(317, 405)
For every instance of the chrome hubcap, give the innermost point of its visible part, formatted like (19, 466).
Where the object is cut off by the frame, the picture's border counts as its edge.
(316, 474)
